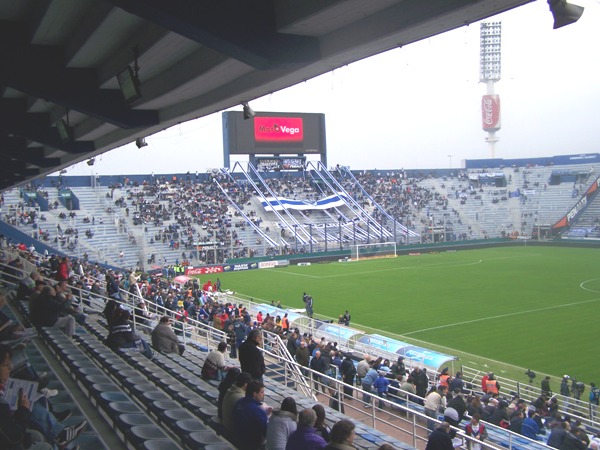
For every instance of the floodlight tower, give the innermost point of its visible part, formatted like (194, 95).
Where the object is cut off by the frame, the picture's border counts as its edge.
(489, 72)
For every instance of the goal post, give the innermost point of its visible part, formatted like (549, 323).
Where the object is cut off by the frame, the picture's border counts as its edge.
(376, 250)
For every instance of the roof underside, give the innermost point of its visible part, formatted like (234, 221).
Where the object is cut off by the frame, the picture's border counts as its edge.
(60, 60)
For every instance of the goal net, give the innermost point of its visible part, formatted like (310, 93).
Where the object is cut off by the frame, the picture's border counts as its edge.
(377, 250)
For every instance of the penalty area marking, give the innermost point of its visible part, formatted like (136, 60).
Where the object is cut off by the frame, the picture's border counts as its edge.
(393, 269)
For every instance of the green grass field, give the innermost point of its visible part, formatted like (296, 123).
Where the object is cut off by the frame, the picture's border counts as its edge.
(528, 307)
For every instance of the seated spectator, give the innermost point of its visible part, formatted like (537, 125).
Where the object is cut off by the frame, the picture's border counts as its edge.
(214, 367)
(306, 437)
(164, 339)
(142, 315)
(476, 429)
(26, 285)
(121, 335)
(409, 391)
(45, 310)
(224, 386)
(342, 436)
(320, 425)
(455, 410)
(282, 424)
(558, 432)
(235, 393)
(18, 428)
(529, 427)
(12, 333)
(500, 416)
(440, 439)
(516, 421)
(14, 432)
(250, 417)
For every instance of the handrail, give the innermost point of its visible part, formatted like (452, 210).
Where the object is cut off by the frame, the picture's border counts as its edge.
(291, 370)
(409, 415)
(587, 413)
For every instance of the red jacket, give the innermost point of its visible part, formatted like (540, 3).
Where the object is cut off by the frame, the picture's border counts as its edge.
(484, 383)
(62, 274)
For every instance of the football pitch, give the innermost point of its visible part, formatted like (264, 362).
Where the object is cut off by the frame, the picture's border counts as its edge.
(511, 308)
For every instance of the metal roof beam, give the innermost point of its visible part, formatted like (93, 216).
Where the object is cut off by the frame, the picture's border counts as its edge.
(36, 127)
(74, 89)
(244, 30)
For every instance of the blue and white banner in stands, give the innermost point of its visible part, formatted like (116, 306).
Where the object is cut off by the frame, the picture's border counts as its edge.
(333, 201)
(417, 355)
(238, 267)
(342, 332)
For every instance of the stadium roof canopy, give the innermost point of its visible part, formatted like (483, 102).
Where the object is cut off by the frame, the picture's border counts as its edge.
(60, 97)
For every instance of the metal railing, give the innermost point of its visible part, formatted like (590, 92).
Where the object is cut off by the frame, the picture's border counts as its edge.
(584, 411)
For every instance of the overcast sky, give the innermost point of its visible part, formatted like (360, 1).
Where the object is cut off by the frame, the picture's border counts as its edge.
(415, 106)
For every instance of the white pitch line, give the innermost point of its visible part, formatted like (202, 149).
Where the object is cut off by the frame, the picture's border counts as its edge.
(501, 316)
(392, 269)
(582, 286)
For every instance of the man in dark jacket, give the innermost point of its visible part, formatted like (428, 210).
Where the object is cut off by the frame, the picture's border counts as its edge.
(348, 372)
(455, 410)
(250, 356)
(439, 439)
(319, 364)
(250, 418)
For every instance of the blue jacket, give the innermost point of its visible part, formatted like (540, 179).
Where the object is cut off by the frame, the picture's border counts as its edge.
(370, 377)
(530, 429)
(381, 384)
(250, 422)
(305, 438)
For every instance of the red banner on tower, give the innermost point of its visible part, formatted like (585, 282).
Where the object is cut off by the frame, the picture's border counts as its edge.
(490, 112)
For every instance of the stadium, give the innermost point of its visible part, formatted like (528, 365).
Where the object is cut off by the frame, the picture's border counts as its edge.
(483, 272)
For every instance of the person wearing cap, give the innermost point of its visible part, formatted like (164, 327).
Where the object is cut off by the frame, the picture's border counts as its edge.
(398, 368)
